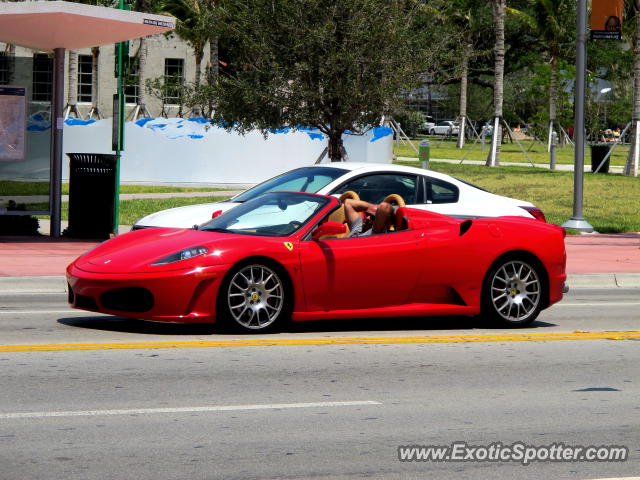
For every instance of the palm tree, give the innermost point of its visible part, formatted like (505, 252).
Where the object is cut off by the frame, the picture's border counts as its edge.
(499, 11)
(552, 23)
(631, 166)
(72, 80)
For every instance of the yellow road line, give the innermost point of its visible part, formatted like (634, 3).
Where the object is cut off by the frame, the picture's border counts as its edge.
(249, 342)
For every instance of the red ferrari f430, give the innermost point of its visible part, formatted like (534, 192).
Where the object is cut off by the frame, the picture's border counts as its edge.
(286, 255)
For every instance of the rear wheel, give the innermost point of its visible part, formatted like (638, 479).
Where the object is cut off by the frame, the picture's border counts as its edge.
(254, 298)
(513, 291)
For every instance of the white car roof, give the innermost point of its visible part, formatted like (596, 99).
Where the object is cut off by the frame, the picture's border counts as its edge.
(363, 167)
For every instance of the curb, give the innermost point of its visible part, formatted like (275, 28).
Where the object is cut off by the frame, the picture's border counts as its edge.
(53, 284)
(58, 284)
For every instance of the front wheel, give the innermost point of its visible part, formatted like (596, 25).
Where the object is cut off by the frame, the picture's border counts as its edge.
(254, 298)
(512, 293)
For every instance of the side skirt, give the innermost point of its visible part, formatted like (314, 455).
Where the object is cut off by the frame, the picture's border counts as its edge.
(408, 310)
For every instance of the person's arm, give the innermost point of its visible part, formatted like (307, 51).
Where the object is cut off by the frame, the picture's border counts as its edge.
(353, 208)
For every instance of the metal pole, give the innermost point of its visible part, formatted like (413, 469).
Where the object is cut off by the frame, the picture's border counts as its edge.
(577, 221)
(57, 124)
(120, 139)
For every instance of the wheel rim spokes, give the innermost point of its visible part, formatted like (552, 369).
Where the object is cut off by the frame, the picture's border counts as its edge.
(515, 290)
(255, 296)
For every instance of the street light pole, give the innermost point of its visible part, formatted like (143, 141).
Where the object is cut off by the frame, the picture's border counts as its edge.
(577, 221)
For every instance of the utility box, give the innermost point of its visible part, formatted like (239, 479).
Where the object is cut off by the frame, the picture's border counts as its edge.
(92, 190)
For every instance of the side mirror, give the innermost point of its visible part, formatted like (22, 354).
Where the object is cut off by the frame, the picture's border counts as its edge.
(329, 228)
(217, 213)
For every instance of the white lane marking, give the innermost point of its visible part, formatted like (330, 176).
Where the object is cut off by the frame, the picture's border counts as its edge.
(616, 478)
(6, 293)
(219, 408)
(31, 312)
(598, 304)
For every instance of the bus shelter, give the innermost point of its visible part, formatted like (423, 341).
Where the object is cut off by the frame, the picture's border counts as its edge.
(59, 26)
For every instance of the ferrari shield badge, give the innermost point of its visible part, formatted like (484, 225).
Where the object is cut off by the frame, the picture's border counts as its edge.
(289, 245)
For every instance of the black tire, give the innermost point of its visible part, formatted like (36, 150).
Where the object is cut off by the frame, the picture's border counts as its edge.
(254, 297)
(513, 292)
(432, 132)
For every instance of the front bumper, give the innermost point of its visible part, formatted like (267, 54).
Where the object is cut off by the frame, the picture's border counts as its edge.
(183, 296)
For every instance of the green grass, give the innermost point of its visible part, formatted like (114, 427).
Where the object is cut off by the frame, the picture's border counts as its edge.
(610, 201)
(11, 188)
(131, 210)
(508, 152)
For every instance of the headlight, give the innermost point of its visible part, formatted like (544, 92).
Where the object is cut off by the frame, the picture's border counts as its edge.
(181, 255)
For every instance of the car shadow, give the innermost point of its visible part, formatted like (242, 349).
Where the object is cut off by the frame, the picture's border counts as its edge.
(130, 325)
(407, 324)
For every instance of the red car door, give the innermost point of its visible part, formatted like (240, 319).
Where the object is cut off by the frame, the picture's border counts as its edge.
(362, 272)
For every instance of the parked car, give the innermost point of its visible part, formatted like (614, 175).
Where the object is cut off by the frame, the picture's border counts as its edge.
(422, 189)
(426, 125)
(445, 128)
(279, 256)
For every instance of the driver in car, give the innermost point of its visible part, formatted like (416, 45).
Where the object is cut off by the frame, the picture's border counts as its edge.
(377, 218)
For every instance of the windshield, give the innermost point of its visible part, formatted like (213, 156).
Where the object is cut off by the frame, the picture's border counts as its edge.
(306, 179)
(275, 214)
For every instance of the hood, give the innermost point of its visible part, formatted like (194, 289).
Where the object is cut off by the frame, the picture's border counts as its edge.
(184, 217)
(134, 252)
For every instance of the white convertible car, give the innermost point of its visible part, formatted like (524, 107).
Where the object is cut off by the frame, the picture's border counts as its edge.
(420, 188)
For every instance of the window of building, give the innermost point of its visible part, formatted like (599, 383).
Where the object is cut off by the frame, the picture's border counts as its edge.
(130, 80)
(6, 68)
(42, 78)
(173, 80)
(85, 78)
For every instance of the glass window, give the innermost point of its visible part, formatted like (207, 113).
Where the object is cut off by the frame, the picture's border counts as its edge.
(307, 179)
(130, 80)
(439, 191)
(42, 78)
(85, 78)
(6, 68)
(274, 214)
(375, 188)
(173, 80)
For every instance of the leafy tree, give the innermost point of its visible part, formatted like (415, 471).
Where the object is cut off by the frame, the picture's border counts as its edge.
(499, 9)
(553, 24)
(337, 65)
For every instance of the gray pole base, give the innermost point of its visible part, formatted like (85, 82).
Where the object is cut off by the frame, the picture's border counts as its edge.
(578, 224)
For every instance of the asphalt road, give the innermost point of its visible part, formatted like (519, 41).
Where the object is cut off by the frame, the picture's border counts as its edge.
(122, 407)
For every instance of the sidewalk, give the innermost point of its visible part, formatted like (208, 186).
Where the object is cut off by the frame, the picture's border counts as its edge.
(593, 260)
(561, 167)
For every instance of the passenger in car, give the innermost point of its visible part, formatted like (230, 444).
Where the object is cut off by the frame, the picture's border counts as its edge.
(377, 218)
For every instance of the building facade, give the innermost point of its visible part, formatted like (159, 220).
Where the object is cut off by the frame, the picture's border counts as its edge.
(169, 59)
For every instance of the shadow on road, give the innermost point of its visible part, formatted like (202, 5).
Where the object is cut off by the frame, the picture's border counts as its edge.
(405, 324)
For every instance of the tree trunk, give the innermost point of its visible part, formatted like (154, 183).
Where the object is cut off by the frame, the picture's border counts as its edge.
(142, 70)
(464, 78)
(198, 54)
(631, 166)
(553, 97)
(95, 110)
(212, 71)
(335, 146)
(72, 81)
(493, 160)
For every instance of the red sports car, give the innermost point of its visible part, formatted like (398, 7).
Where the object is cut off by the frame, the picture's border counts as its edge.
(285, 255)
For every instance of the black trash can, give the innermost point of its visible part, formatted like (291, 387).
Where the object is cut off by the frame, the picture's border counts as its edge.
(92, 191)
(598, 152)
